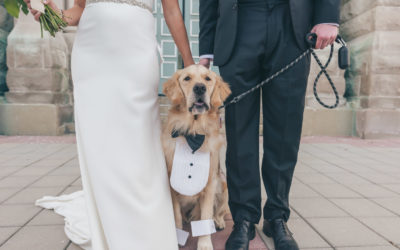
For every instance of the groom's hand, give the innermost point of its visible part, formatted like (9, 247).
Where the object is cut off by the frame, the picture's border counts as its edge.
(205, 62)
(326, 34)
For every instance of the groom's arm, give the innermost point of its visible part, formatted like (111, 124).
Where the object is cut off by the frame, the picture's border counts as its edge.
(326, 11)
(326, 21)
(208, 24)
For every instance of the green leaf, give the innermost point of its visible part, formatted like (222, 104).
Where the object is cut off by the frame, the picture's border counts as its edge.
(12, 6)
(24, 6)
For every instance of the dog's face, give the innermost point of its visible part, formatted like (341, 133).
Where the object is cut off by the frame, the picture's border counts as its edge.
(196, 88)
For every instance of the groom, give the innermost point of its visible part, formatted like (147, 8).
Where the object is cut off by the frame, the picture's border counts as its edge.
(250, 40)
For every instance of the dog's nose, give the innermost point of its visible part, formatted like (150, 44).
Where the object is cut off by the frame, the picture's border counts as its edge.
(199, 89)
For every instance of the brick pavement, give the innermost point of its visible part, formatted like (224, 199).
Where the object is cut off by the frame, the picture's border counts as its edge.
(345, 194)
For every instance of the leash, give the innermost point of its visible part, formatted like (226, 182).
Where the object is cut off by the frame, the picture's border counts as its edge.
(311, 39)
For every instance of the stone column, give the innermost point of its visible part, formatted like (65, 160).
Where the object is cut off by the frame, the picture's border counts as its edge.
(373, 29)
(6, 24)
(39, 101)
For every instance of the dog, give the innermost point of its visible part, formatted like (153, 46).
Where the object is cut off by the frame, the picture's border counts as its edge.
(196, 93)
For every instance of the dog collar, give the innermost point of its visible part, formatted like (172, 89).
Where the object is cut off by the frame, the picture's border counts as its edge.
(194, 141)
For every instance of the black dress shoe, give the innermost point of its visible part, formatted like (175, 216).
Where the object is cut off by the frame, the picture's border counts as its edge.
(243, 232)
(278, 230)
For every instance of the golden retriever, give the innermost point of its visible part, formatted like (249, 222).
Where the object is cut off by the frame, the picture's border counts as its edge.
(195, 94)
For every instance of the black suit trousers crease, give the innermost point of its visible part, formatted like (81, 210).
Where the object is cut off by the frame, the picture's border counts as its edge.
(265, 42)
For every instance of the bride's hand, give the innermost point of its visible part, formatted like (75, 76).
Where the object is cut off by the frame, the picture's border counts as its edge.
(36, 13)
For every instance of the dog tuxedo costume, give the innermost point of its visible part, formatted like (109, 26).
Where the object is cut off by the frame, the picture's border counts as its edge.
(190, 167)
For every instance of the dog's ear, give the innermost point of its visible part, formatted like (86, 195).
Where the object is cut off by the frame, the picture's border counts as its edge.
(172, 89)
(220, 93)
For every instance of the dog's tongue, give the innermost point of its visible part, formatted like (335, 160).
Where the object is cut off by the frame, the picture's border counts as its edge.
(199, 103)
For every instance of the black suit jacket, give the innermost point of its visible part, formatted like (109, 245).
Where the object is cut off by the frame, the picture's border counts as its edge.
(218, 22)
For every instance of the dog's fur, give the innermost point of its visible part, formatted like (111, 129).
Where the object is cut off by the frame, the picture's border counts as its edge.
(198, 114)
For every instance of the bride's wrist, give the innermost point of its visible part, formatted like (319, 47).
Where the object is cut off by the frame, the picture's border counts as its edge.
(188, 61)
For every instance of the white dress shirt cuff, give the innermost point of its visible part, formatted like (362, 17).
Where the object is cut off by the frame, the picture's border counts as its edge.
(333, 24)
(208, 56)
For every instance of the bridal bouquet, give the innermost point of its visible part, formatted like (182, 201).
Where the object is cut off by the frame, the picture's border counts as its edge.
(50, 20)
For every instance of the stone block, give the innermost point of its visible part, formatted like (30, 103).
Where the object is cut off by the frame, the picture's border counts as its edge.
(338, 122)
(385, 62)
(382, 18)
(37, 98)
(380, 102)
(381, 85)
(32, 79)
(378, 123)
(34, 119)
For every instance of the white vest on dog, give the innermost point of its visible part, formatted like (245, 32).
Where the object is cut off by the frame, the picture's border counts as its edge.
(190, 170)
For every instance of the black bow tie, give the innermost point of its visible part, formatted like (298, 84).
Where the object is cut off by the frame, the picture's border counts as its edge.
(194, 141)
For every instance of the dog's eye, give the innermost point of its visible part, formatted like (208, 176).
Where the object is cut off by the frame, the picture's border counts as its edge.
(187, 78)
(208, 78)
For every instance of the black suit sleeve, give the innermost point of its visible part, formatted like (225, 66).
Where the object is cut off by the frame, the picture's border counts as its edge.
(208, 24)
(326, 11)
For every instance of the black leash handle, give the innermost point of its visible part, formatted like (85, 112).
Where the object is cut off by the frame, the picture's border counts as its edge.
(343, 62)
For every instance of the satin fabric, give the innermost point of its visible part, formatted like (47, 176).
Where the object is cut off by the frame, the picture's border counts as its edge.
(115, 70)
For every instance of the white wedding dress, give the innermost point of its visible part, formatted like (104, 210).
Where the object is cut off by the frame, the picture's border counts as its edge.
(115, 71)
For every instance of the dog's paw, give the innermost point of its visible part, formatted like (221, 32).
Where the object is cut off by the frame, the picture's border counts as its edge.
(219, 223)
(204, 243)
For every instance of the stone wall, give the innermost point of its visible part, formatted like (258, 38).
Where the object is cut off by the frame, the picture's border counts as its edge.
(372, 28)
(6, 24)
(40, 100)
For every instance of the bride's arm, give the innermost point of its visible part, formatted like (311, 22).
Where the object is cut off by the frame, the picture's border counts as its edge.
(173, 17)
(71, 15)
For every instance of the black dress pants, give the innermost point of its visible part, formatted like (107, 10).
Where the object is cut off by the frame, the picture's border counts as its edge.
(265, 43)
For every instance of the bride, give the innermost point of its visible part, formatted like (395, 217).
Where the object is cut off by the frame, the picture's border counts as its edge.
(115, 71)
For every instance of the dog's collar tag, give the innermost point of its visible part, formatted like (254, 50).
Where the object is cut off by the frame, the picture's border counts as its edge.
(190, 170)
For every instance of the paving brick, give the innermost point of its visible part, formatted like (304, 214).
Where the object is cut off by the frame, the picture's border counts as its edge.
(313, 178)
(316, 207)
(371, 190)
(54, 181)
(362, 208)
(78, 182)
(369, 248)
(305, 235)
(16, 215)
(47, 217)
(345, 232)
(6, 171)
(393, 187)
(37, 238)
(6, 232)
(72, 189)
(17, 181)
(67, 170)
(72, 246)
(334, 190)
(388, 227)
(380, 178)
(34, 171)
(393, 204)
(300, 190)
(346, 178)
(31, 194)
(7, 192)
